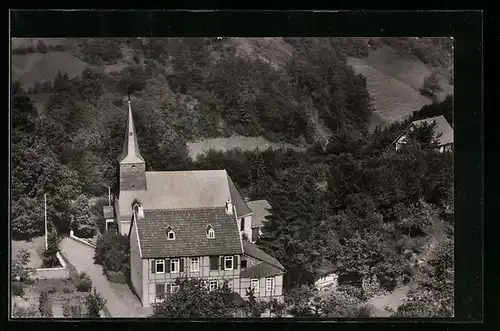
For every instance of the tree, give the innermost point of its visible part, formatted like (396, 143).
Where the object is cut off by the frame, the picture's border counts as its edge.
(19, 270)
(194, 299)
(434, 295)
(82, 220)
(49, 257)
(113, 252)
(94, 303)
(432, 85)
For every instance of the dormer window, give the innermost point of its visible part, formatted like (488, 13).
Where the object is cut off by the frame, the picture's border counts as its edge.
(170, 233)
(210, 232)
(139, 210)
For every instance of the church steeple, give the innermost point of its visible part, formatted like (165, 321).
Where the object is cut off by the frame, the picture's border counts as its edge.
(132, 167)
(130, 153)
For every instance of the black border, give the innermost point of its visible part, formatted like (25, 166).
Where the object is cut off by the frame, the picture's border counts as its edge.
(464, 26)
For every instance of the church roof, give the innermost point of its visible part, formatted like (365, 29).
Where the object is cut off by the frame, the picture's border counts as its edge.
(189, 225)
(183, 189)
(130, 153)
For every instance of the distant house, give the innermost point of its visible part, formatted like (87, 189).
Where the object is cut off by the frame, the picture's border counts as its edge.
(260, 209)
(442, 130)
(188, 224)
(326, 277)
(108, 216)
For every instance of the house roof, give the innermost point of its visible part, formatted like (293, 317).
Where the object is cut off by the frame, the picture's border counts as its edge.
(254, 251)
(108, 211)
(261, 270)
(130, 153)
(189, 225)
(183, 189)
(238, 202)
(260, 209)
(442, 127)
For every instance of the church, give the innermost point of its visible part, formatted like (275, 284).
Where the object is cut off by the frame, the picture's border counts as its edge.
(188, 224)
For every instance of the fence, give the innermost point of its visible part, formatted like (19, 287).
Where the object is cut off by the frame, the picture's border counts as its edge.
(75, 238)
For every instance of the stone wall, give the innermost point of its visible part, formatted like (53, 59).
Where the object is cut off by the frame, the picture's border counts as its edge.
(53, 273)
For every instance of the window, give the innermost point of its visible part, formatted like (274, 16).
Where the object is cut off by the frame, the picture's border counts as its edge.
(174, 288)
(228, 263)
(160, 266)
(214, 262)
(243, 264)
(242, 224)
(195, 264)
(170, 235)
(269, 284)
(254, 284)
(160, 291)
(174, 265)
(213, 285)
(211, 233)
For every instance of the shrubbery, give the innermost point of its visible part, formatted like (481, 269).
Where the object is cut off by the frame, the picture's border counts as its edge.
(83, 283)
(113, 252)
(49, 256)
(17, 288)
(44, 305)
(94, 303)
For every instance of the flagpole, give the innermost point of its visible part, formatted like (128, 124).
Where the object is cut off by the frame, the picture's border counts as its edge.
(45, 198)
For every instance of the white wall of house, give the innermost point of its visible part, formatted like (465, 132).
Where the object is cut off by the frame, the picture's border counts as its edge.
(247, 226)
(124, 227)
(136, 265)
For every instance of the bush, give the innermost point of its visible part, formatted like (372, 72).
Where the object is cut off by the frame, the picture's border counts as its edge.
(19, 269)
(83, 283)
(116, 277)
(17, 288)
(68, 289)
(50, 289)
(94, 303)
(44, 304)
(20, 312)
(49, 256)
(72, 310)
(113, 252)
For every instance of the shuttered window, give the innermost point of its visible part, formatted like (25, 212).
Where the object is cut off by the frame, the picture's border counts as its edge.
(174, 265)
(159, 267)
(160, 291)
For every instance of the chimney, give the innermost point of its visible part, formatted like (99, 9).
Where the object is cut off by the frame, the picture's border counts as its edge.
(229, 207)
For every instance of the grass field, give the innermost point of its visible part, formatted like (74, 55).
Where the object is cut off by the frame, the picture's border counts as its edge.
(393, 100)
(37, 244)
(224, 144)
(36, 67)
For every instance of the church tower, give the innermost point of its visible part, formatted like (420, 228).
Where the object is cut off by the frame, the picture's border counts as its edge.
(132, 167)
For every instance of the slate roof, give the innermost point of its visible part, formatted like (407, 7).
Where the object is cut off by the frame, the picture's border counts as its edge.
(260, 209)
(261, 270)
(189, 225)
(254, 251)
(108, 211)
(238, 202)
(183, 189)
(130, 153)
(442, 127)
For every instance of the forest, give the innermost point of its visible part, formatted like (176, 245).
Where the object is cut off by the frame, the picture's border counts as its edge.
(353, 201)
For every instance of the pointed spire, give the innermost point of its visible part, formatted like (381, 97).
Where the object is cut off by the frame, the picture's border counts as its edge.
(130, 152)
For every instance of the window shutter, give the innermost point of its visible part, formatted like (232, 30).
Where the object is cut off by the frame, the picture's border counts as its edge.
(181, 267)
(235, 262)
(168, 287)
(167, 266)
(153, 267)
(221, 263)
